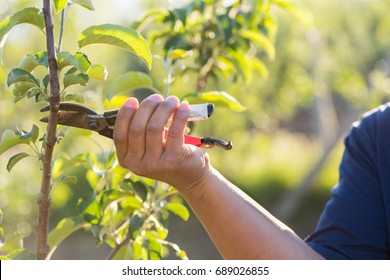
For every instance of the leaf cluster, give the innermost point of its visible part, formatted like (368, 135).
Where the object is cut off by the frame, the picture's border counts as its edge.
(122, 210)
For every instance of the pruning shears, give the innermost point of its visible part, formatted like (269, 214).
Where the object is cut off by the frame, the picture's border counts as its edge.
(76, 115)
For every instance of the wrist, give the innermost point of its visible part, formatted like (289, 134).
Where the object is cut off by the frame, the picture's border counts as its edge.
(197, 190)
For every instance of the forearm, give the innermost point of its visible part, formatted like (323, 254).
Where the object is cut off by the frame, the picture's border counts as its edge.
(240, 228)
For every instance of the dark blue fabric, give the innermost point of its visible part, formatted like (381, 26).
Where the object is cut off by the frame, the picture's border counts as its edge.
(356, 221)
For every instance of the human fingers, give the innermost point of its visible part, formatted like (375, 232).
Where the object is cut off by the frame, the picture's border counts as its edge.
(122, 123)
(156, 125)
(137, 129)
(175, 137)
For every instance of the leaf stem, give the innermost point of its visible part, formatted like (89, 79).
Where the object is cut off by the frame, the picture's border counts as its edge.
(44, 199)
(64, 15)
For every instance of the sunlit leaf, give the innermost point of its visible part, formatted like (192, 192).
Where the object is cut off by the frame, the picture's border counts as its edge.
(31, 15)
(21, 75)
(63, 229)
(178, 209)
(300, 12)
(59, 5)
(218, 98)
(179, 54)
(98, 72)
(241, 64)
(161, 230)
(8, 143)
(88, 4)
(260, 67)
(119, 36)
(261, 40)
(92, 212)
(138, 250)
(155, 249)
(115, 102)
(1, 223)
(83, 63)
(15, 159)
(129, 82)
(156, 15)
(13, 242)
(124, 253)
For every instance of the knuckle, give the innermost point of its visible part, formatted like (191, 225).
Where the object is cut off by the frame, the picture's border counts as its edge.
(135, 131)
(153, 128)
(175, 132)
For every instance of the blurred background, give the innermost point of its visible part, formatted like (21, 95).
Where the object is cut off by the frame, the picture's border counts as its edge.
(287, 144)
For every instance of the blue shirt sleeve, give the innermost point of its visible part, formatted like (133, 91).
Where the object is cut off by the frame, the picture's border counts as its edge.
(355, 222)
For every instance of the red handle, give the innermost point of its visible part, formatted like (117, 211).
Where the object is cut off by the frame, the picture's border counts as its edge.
(196, 141)
(192, 140)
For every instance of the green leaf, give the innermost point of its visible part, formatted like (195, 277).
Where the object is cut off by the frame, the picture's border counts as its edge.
(218, 98)
(300, 12)
(15, 159)
(83, 63)
(21, 75)
(259, 67)
(77, 97)
(22, 254)
(1, 222)
(68, 179)
(85, 3)
(128, 82)
(155, 249)
(59, 5)
(261, 40)
(63, 229)
(136, 222)
(79, 60)
(28, 63)
(179, 210)
(179, 54)
(98, 72)
(90, 209)
(21, 90)
(28, 15)
(10, 142)
(73, 79)
(119, 36)
(65, 59)
(13, 242)
(241, 64)
(32, 135)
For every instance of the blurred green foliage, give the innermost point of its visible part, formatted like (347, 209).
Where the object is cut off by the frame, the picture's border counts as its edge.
(344, 55)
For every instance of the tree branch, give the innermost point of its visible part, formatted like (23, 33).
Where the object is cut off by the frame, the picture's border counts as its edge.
(44, 200)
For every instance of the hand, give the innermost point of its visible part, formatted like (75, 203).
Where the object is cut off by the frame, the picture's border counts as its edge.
(142, 148)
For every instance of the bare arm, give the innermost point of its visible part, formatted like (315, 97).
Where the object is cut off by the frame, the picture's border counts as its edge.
(239, 227)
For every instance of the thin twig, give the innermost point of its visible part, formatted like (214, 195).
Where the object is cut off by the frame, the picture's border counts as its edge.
(44, 200)
(118, 247)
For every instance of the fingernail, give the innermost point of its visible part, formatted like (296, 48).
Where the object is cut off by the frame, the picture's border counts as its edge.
(156, 96)
(184, 106)
(131, 103)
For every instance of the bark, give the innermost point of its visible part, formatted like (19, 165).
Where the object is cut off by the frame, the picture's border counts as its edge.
(44, 200)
